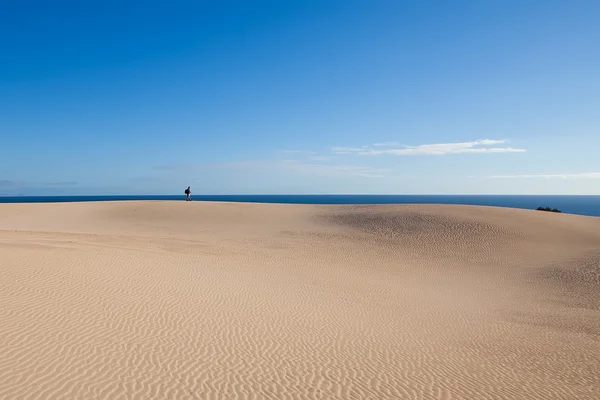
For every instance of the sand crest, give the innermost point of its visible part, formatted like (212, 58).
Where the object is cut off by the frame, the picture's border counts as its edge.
(179, 300)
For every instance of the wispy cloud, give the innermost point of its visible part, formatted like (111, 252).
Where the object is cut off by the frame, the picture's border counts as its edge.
(582, 175)
(307, 155)
(475, 147)
(320, 158)
(216, 165)
(334, 170)
(297, 152)
(169, 167)
(348, 150)
(6, 183)
(387, 144)
(316, 168)
(63, 183)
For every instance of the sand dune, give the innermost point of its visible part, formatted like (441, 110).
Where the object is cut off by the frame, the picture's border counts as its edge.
(177, 300)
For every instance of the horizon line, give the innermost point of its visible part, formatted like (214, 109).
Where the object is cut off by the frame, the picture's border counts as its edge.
(300, 194)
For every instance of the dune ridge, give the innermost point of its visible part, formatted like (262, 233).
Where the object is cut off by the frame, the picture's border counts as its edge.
(164, 300)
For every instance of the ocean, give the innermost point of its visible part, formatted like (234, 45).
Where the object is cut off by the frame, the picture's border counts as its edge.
(583, 205)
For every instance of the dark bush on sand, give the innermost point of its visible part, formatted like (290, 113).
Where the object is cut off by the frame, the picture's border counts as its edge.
(556, 210)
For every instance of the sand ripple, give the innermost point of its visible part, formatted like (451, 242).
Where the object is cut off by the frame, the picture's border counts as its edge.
(163, 301)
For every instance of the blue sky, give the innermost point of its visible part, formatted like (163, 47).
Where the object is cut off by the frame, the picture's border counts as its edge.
(300, 97)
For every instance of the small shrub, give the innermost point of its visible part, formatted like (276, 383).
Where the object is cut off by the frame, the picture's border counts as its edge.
(556, 210)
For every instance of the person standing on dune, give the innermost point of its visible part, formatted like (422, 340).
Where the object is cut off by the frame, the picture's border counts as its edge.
(188, 194)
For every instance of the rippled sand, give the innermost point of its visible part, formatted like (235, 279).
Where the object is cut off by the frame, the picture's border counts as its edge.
(179, 300)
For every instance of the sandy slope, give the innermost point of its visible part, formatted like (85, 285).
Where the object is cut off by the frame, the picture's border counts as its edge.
(176, 300)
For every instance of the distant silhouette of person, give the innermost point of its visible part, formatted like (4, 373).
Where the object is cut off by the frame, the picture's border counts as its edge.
(188, 194)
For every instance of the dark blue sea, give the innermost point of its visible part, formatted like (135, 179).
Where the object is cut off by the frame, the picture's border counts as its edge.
(583, 205)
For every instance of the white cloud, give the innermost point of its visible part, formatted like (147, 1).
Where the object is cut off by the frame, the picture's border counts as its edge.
(386, 144)
(474, 147)
(583, 175)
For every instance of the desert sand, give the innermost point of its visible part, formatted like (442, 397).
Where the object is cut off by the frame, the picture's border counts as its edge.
(179, 300)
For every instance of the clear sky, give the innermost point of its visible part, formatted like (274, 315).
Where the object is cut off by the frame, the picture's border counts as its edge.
(339, 96)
